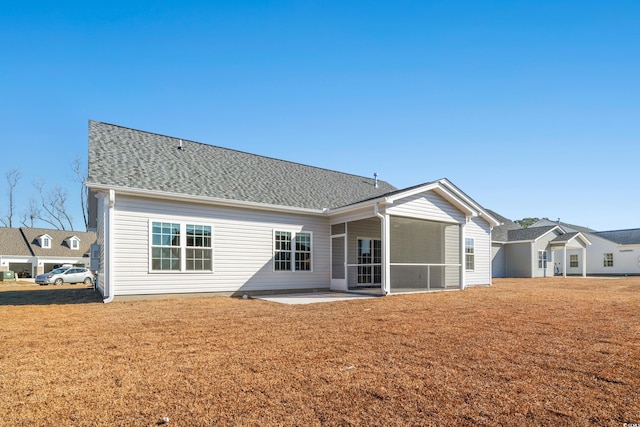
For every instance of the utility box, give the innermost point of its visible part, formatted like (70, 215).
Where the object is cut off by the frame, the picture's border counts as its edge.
(7, 276)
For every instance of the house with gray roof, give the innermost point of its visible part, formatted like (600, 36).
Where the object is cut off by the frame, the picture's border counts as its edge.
(575, 250)
(175, 216)
(531, 251)
(32, 251)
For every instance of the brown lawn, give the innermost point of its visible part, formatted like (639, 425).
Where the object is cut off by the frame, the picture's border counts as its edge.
(522, 352)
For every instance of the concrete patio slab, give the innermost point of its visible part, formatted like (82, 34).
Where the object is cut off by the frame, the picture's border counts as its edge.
(312, 298)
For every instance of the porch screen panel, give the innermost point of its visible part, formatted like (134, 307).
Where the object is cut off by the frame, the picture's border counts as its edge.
(337, 258)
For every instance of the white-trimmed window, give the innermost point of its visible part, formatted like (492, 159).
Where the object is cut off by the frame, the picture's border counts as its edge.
(292, 251)
(45, 241)
(573, 260)
(469, 254)
(608, 260)
(542, 259)
(180, 247)
(73, 242)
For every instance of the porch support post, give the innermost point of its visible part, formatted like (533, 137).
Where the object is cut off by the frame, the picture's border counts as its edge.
(463, 258)
(584, 262)
(385, 249)
(564, 261)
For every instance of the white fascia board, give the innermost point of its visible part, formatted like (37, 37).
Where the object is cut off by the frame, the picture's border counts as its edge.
(583, 238)
(557, 227)
(412, 192)
(439, 188)
(206, 200)
(481, 212)
(356, 206)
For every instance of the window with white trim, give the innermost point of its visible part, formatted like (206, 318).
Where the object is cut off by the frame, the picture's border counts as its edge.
(542, 259)
(608, 260)
(180, 247)
(46, 243)
(292, 251)
(573, 260)
(469, 254)
(74, 243)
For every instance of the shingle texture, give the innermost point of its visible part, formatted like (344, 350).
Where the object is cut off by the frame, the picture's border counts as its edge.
(24, 242)
(12, 242)
(565, 237)
(59, 247)
(501, 232)
(621, 237)
(565, 226)
(530, 233)
(135, 159)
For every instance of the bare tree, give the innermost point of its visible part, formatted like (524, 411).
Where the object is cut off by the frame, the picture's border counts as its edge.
(54, 210)
(32, 214)
(13, 176)
(81, 177)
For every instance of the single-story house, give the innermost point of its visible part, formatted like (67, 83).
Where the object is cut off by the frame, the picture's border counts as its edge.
(32, 251)
(548, 248)
(611, 253)
(178, 216)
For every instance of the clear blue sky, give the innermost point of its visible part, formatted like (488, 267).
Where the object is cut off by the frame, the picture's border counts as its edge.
(530, 107)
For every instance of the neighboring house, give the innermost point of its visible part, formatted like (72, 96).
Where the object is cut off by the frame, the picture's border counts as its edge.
(549, 248)
(612, 253)
(532, 251)
(32, 251)
(176, 216)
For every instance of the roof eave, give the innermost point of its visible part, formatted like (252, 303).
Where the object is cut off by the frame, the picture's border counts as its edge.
(204, 199)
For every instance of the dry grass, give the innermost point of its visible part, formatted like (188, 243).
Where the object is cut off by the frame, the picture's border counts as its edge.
(523, 352)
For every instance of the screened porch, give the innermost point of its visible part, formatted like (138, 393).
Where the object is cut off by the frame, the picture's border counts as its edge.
(422, 255)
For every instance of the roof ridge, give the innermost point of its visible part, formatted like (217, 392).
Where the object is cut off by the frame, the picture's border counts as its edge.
(237, 151)
(615, 231)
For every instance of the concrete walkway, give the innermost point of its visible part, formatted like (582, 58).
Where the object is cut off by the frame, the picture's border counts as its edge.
(312, 298)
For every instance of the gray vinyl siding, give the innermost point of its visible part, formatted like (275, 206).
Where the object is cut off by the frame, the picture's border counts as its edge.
(518, 257)
(242, 249)
(498, 260)
(542, 245)
(428, 206)
(480, 231)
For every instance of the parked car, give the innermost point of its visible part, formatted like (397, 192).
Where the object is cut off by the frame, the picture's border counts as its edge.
(66, 275)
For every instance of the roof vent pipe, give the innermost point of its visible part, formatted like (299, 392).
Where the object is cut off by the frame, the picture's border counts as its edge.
(375, 180)
(180, 147)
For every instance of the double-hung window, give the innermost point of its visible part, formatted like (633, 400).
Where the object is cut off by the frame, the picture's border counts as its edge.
(573, 260)
(469, 254)
(608, 260)
(292, 251)
(542, 259)
(180, 247)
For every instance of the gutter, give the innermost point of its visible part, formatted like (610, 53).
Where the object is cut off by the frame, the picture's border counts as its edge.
(383, 240)
(204, 199)
(108, 284)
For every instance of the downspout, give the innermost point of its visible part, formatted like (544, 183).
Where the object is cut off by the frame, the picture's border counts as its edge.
(108, 250)
(385, 252)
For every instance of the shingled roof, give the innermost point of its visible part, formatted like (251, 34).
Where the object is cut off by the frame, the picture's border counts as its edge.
(527, 234)
(134, 159)
(501, 232)
(58, 246)
(12, 242)
(621, 237)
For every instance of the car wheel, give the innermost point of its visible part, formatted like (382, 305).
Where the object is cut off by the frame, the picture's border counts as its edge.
(58, 282)
(87, 280)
